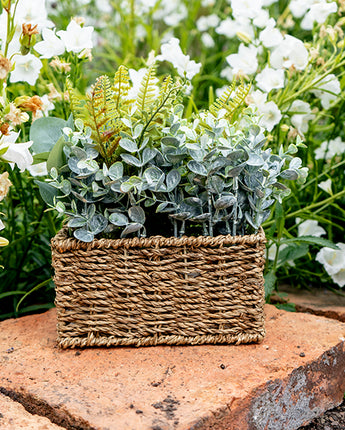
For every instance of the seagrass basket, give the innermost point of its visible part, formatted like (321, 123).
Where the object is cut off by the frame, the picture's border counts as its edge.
(189, 290)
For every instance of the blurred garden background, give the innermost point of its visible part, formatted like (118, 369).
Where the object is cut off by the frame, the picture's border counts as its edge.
(292, 54)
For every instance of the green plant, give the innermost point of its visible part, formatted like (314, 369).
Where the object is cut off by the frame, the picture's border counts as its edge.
(132, 158)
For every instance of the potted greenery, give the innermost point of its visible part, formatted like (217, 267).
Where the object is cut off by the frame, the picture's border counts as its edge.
(162, 242)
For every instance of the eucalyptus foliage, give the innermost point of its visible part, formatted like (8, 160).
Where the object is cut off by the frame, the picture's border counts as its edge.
(209, 174)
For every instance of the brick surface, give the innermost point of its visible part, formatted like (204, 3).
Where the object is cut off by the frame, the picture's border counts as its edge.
(13, 416)
(317, 301)
(294, 375)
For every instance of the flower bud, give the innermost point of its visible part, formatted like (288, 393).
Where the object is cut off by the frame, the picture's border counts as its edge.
(244, 37)
(284, 128)
(28, 38)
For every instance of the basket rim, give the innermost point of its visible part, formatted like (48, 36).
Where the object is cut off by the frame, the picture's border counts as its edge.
(62, 242)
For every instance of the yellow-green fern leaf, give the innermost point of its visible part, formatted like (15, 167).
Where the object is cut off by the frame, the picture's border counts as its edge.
(232, 100)
(147, 94)
(121, 88)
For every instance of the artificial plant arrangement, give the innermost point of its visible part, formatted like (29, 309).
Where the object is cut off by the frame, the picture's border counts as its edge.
(134, 165)
(163, 243)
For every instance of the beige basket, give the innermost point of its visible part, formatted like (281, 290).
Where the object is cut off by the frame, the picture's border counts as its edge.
(189, 290)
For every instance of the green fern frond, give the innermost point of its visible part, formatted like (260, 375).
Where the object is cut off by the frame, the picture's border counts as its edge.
(147, 94)
(121, 88)
(232, 100)
(77, 102)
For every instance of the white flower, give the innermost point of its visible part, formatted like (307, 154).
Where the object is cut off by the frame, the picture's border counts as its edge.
(230, 27)
(333, 260)
(227, 73)
(298, 8)
(246, 8)
(245, 61)
(270, 36)
(207, 40)
(27, 68)
(326, 186)
(302, 117)
(270, 79)
(257, 98)
(39, 169)
(206, 22)
(16, 153)
(272, 251)
(172, 52)
(268, 2)
(76, 38)
(51, 45)
(261, 19)
(329, 149)
(290, 52)
(270, 115)
(309, 227)
(327, 90)
(318, 12)
(32, 12)
(171, 12)
(2, 225)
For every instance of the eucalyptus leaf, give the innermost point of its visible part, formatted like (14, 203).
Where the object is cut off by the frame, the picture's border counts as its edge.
(77, 222)
(292, 175)
(148, 155)
(45, 132)
(115, 171)
(83, 235)
(118, 219)
(128, 145)
(130, 159)
(98, 223)
(173, 179)
(197, 168)
(56, 157)
(131, 228)
(48, 192)
(137, 214)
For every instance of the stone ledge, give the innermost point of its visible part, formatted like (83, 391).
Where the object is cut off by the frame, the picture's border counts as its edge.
(321, 302)
(296, 374)
(13, 416)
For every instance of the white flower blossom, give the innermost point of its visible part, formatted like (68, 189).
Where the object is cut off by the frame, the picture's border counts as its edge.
(328, 90)
(246, 8)
(207, 40)
(270, 79)
(51, 45)
(333, 260)
(39, 169)
(270, 115)
(204, 23)
(290, 52)
(326, 186)
(261, 19)
(16, 153)
(270, 36)
(302, 116)
(318, 12)
(299, 8)
(245, 61)
(230, 27)
(76, 38)
(330, 149)
(27, 68)
(171, 12)
(309, 227)
(172, 52)
(136, 77)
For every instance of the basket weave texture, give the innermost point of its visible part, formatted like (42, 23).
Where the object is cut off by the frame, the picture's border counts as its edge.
(149, 291)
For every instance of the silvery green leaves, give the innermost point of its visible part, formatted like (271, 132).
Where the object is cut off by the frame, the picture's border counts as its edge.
(201, 175)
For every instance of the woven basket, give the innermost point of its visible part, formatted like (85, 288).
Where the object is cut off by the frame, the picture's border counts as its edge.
(189, 290)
